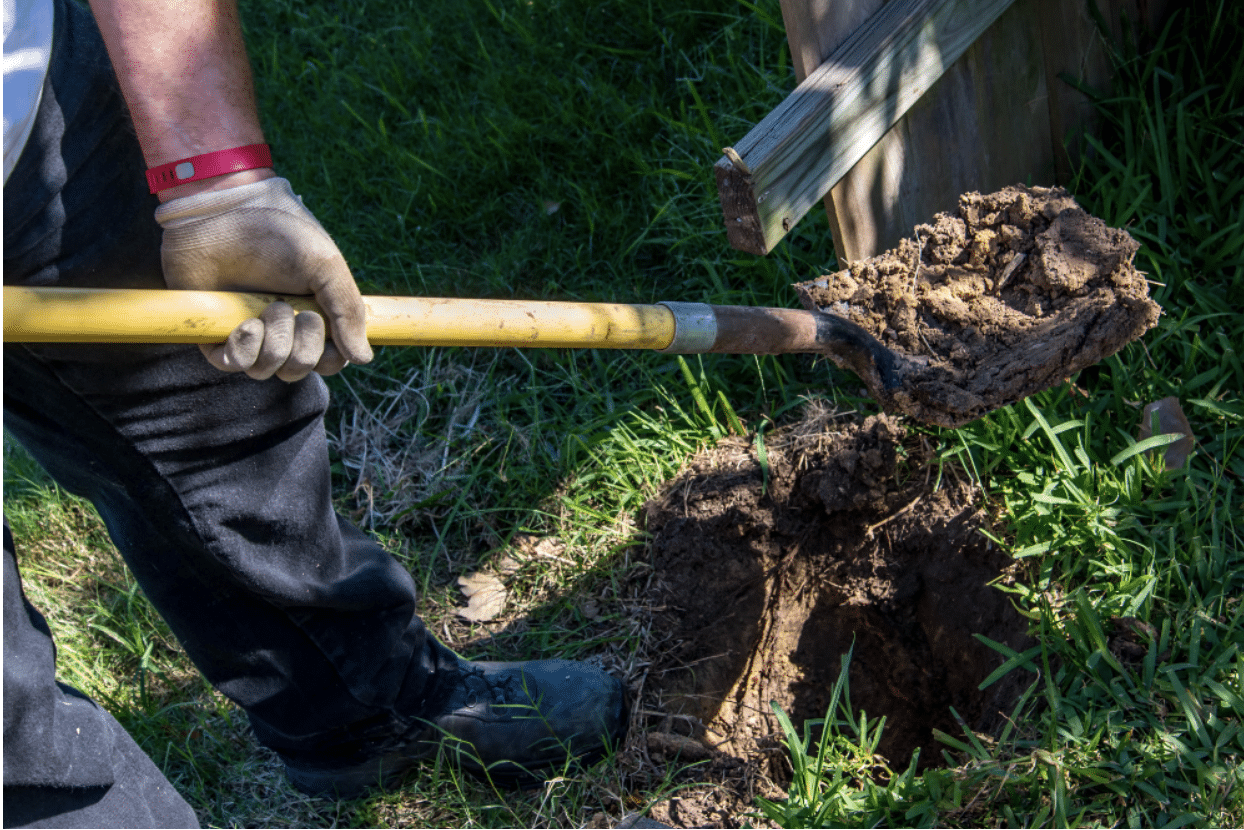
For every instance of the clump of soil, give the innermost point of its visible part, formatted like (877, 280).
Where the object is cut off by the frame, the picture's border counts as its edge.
(1013, 294)
(766, 574)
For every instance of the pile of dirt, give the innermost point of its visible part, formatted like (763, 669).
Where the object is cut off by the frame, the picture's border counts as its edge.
(1012, 295)
(765, 574)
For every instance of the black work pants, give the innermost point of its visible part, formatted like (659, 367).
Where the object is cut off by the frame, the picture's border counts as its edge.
(214, 487)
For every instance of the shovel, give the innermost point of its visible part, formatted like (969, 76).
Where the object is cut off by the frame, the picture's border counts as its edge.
(91, 315)
(911, 384)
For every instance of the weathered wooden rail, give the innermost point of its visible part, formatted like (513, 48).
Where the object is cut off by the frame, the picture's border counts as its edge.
(904, 105)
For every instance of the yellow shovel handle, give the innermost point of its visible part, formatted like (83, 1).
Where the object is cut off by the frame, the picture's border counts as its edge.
(88, 315)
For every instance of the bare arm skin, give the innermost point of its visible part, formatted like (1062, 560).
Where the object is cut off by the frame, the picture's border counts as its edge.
(186, 79)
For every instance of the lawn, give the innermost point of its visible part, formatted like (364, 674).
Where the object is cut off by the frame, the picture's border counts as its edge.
(563, 150)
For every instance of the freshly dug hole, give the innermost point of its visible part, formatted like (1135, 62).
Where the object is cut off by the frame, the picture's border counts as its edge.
(1011, 295)
(764, 578)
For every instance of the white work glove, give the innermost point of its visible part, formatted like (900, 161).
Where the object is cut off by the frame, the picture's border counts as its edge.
(259, 237)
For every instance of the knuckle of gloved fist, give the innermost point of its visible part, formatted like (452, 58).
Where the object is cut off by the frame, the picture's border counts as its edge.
(307, 347)
(327, 368)
(216, 356)
(278, 314)
(264, 368)
(277, 350)
(332, 361)
(245, 342)
(242, 349)
(294, 370)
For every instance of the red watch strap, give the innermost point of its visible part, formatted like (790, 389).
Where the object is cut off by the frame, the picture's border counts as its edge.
(208, 166)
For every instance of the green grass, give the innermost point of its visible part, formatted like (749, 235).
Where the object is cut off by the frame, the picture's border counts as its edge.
(563, 150)
(1113, 540)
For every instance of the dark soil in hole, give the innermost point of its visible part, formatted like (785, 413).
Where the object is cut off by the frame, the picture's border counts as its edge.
(765, 577)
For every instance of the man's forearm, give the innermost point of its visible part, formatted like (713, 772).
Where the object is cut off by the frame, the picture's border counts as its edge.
(186, 79)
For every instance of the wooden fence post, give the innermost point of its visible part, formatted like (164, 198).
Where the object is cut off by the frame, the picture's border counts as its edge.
(998, 114)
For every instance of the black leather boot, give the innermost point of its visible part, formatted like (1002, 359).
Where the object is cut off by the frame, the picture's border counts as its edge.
(513, 722)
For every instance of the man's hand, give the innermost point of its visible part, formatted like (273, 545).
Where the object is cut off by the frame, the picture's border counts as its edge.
(183, 71)
(259, 237)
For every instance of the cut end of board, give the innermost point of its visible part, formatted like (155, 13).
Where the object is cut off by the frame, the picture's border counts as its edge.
(744, 229)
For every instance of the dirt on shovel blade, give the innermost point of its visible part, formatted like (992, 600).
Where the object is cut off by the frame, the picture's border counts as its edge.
(1013, 294)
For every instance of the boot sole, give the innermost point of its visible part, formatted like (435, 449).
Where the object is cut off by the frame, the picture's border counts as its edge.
(381, 773)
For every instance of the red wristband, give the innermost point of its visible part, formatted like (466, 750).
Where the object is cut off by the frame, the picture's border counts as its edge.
(208, 165)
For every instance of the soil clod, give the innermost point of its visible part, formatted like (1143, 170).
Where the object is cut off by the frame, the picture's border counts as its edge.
(1011, 295)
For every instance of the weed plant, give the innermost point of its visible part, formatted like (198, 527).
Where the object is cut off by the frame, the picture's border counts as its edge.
(562, 150)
